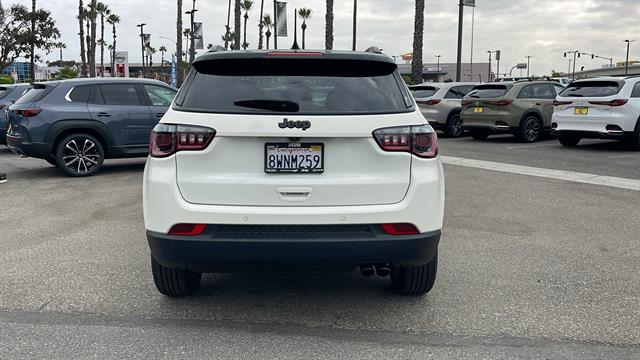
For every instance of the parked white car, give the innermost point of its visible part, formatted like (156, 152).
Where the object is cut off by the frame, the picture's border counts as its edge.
(286, 160)
(564, 81)
(606, 108)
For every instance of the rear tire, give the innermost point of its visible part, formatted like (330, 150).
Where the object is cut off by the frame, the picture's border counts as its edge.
(174, 282)
(530, 129)
(479, 134)
(635, 142)
(453, 128)
(51, 161)
(79, 155)
(568, 140)
(414, 280)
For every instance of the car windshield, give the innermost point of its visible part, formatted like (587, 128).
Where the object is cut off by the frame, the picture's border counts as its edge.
(489, 91)
(591, 89)
(299, 86)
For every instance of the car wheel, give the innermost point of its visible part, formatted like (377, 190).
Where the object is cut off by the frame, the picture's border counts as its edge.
(174, 282)
(479, 134)
(414, 280)
(530, 129)
(635, 142)
(51, 161)
(454, 126)
(79, 155)
(568, 140)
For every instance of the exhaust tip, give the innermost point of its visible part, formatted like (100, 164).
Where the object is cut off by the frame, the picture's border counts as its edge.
(367, 270)
(383, 270)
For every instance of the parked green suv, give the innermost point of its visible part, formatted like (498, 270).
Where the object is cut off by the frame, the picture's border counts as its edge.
(522, 108)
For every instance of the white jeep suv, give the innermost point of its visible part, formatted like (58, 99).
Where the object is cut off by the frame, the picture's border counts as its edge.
(602, 108)
(293, 160)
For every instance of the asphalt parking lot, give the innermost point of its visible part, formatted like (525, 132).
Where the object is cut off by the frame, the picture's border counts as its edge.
(530, 267)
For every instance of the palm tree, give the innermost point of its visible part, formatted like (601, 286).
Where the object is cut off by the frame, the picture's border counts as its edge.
(355, 17)
(83, 57)
(328, 26)
(186, 32)
(236, 25)
(162, 50)
(32, 35)
(113, 19)
(266, 20)
(260, 24)
(227, 31)
(61, 46)
(304, 14)
(93, 17)
(246, 6)
(416, 62)
(228, 39)
(103, 10)
(88, 18)
(179, 40)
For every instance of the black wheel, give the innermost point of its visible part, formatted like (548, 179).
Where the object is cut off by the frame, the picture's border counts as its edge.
(479, 134)
(530, 129)
(79, 155)
(414, 280)
(568, 140)
(174, 282)
(635, 142)
(51, 161)
(453, 128)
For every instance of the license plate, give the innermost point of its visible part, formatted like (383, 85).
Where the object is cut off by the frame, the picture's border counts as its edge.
(581, 111)
(478, 109)
(294, 158)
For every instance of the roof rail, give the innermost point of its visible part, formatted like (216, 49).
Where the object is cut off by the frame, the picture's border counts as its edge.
(374, 49)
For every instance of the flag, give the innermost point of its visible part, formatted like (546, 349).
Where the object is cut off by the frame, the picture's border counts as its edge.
(471, 3)
(197, 36)
(174, 74)
(147, 44)
(281, 18)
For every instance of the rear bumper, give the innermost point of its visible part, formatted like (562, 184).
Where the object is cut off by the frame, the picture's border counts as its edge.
(491, 128)
(216, 252)
(30, 149)
(626, 135)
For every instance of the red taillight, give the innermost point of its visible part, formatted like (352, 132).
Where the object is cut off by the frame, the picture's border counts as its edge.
(616, 102)
(27, 112)
(558, 103)
(429, 102)
(187, 229)
(167, 139)
(419, 140)
(294, 54)
(400, 229)
(500, 102)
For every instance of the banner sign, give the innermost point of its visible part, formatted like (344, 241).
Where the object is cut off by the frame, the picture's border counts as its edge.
(197, 36)
(174, 77)
(281, 16)
(471, 3)
(147, 44)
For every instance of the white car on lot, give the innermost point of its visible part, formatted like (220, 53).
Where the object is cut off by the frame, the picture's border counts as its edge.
(602, 108)
(293, 160)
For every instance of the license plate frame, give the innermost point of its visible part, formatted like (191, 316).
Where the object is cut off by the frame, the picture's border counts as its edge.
(296, 170)
(581, 110)
(478, 109)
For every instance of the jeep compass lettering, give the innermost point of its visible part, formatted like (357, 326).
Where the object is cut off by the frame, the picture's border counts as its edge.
(293, 160)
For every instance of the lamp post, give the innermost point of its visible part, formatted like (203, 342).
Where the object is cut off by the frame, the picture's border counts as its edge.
(489, 78)
(626, 64)
(141, 26)
(575, 53)
(459, 59)
(192, 47)
(438, 67)
(528, 64)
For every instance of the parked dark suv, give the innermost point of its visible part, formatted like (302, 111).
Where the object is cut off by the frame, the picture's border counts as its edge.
(8, 94)
(76, 124)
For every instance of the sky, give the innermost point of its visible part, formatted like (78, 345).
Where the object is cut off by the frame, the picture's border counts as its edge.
(543, 29)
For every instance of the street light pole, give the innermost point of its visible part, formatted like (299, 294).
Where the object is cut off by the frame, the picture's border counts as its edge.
(489, 79)
(626, 64)
(528, 63)
(192, 47)
(438, 67)
(141, 26)
(459, 60)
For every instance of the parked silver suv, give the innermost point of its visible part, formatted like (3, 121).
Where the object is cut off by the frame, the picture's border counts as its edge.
(440, 103)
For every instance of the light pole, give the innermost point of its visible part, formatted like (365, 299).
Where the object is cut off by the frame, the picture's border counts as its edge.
(438, 67)
(575, 53)
(459, 59)
(489, 79)
(192, 47)
(498, 64)
(141, 26)
(528, 64)
(626, 64)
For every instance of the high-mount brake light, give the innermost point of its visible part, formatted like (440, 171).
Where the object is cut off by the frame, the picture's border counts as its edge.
(558, 103)
(429, 102)
(294, 54)
(419, 140)
(27, 112)
(167, 139)
(616, 102)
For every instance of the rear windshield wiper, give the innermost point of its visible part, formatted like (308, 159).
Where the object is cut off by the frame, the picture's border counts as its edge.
(271, 105)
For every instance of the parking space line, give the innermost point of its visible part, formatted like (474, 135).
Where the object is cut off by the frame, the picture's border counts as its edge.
(586, 178)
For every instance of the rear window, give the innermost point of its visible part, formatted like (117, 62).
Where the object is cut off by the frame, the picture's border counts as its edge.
(591, 89)
(489, 91)
(423, 91)
(4, 91)
(303, 86)
(32, 95)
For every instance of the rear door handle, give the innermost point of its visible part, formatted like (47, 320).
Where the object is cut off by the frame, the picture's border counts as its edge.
(104, 114)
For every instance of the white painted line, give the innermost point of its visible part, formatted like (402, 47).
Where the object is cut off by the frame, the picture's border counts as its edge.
(611, 181)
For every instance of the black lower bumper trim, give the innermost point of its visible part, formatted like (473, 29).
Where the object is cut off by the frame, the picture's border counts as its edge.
(627, 135)
(209, 253)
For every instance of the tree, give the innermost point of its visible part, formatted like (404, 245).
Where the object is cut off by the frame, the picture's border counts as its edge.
(555, 74)
(32, 40)
(186, 32)
(236, 25)
(66, 73)
(61, 46)
(103, 10)
(179, 40)
(355, 17)
(83, 56)
(260, 24)
(228, 39)
(246, 6)
(17, 36)
(418, 29)
(227, 31)
(113, 19)
(266, 20)
(87, 17)
(328, 26)
(304, 14)
(162, 50)
(93, 17)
